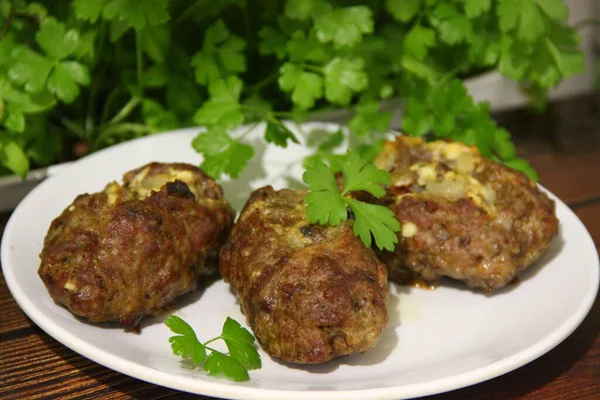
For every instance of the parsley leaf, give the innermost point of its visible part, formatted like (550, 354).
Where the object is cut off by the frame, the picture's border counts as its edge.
(117, 30)
(369, 151)
(449, 112)
(344, 26)
(157, 117)
(64, 80)
(88, 10)
(15, 119)
(39, 72)
(359, 175)
(304, 9)
(514, 59)
(556, 9)
(562, 43)
(223, 108)
(186, 344)
(325, 142)
(474, 8)
(521, 165)
(222, 154)
(137, 13)
(31, 69)
(403, 10)
(419, 68)
(12, 156)
(212, 141)
(86, 46)
(15, 103)
(378, 221)
(306, 87)
(333, 140)
(369, 120)
(155, 42)
(272, 42)
(544, 59)
(416, 120)
(302, 48)
(452, 25)
(343, 78)
(55, 40)
(522, 15)
(221, 55)
(418, 41)
(326, 205)
(220, 364)
(36, 10)
(276, 132)
(503, 146)
(240, 342)
(232, 160)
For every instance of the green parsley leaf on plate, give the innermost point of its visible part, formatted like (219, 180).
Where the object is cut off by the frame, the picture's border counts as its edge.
(326, 205)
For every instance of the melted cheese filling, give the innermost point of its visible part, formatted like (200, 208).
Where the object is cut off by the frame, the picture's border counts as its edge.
(447, 175)
(113, 190)
(143, 185)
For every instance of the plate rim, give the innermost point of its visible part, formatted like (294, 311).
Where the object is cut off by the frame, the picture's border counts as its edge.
(227, 389)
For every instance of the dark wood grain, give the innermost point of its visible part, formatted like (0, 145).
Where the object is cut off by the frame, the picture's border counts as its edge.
(569, 176)
(35, 366)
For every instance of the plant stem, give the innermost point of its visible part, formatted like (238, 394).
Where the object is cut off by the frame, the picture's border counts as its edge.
(448, 76)
(119, 129)
(125, 111)
(8, 21)
(583, 23)
(110, 99)
(211, 340)
(91, 106)
(322, 110)
(186, 14)
(247, 131)
(214, 350)
(73, 127)
(283, 113)
(139, 62)
(101, 41)
(247, 29)
(314, 68)
(265, 82)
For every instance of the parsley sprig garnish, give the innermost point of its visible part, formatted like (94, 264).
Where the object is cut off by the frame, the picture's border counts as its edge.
(240, 343)
(88, 74)
(327, 205)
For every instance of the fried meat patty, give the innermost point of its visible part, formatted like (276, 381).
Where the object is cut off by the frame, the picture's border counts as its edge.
(462, 215)
(310, 293)
(128, 251)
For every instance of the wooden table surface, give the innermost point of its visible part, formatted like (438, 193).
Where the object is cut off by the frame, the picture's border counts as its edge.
(563, 145)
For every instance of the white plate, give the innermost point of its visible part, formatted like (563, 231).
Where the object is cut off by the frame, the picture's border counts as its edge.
(13, 189)
(436, 341)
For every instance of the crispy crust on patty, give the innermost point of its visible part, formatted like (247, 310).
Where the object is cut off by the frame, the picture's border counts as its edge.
(309, 292)
(463, 215)
(128, 251)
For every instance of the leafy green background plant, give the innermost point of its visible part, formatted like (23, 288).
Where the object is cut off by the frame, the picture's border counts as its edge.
(85, 74)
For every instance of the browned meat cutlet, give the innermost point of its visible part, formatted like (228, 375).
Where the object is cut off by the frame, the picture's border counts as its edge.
(462, 215)
(127, 252)
(309, 292)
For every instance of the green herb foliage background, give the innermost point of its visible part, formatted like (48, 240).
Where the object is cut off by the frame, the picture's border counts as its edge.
(77, 76)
